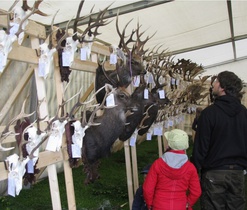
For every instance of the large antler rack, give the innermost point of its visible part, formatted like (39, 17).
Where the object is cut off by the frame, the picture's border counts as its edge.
(122, 43)
(138, 47)
(93, 23)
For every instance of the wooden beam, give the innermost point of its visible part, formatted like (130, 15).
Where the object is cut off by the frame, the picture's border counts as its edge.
(16, 92)
(23, 54)
(100, 49)
(87, 93)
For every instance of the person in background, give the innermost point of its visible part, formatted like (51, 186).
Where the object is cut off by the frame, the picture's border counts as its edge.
(220, 146)
(138, 202)
(198, 113)
(172, 182)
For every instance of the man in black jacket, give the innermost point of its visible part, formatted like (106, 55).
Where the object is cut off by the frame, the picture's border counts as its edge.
(220, 146)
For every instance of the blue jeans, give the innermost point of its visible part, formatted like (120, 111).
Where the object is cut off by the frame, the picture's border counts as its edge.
(223, 190)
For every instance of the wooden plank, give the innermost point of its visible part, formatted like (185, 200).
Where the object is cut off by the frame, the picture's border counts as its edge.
(54, 189)
(47, 158)
(100, 49)
(16, 92)
(160, 146)
(134, 168)
(3, 172)
(33, 29)
(129, 173)
(69, 183)
(67, 169)
(23, 54)
(40, 85)
(51, 169)
(87, 93)
(89, 66)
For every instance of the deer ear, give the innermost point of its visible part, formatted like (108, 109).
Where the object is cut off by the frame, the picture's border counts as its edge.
(108, 88)
(120, 62)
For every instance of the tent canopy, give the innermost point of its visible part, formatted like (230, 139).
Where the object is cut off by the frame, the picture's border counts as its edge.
(207, 32)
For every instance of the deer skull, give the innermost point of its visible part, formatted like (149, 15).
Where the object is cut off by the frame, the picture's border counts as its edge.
(45, 60)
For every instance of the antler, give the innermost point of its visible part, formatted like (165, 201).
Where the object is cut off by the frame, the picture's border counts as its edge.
(79, 104)
(94, 23)
(138, 48)
(66, 34)
(6, 132)
(122, 44)
(25, 7)
(52, 31)
(98, 107)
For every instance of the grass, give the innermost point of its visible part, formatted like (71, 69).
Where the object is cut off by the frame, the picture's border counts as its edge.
(109, 192)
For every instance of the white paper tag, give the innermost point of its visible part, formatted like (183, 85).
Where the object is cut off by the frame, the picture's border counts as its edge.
(11, 186)
(41, 69)
(84, 53)
(149, 136)
(166, 124)
(66, 59)
(146, 94)
(171, 123)
(76, 151)
(2, 61)
(51, 145)
(158, 130)
(110, 100)
(162, 94)
(14, 28)
(136, 81)
(150, 79)
(113, 58)
(133, 139)
(30, 168)
(173, 81)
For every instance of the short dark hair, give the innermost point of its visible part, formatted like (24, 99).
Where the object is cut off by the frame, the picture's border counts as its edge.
(231, 83)
(146, 169)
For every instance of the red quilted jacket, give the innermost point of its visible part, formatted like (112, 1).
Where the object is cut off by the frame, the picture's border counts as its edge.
(170, 188)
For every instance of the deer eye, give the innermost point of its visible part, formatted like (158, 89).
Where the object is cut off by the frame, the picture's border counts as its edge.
(122, 96)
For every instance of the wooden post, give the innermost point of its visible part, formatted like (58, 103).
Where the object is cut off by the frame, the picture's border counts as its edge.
(52, 172)
(160, 145)
(134, 168)
(67, 169)
(128, 172)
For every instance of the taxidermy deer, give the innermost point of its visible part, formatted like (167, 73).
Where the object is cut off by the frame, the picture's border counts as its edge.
(129, 62)
(99, 139)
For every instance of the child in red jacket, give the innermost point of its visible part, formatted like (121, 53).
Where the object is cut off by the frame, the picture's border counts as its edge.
(172, 182)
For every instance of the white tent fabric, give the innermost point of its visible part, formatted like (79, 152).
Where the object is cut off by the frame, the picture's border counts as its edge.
(208, 32)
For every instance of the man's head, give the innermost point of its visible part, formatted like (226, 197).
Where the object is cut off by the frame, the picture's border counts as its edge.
(145, 170)
(227, 83)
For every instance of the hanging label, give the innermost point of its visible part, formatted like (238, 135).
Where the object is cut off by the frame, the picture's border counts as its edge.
(110, 100)
(146, 94)
(30, 168)
(162, 94)
(113, 58)
(83, 53)
(136, 81)
(76, 151)
(66, 59)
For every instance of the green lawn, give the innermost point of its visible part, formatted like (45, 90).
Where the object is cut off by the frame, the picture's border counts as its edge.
(108, 193)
